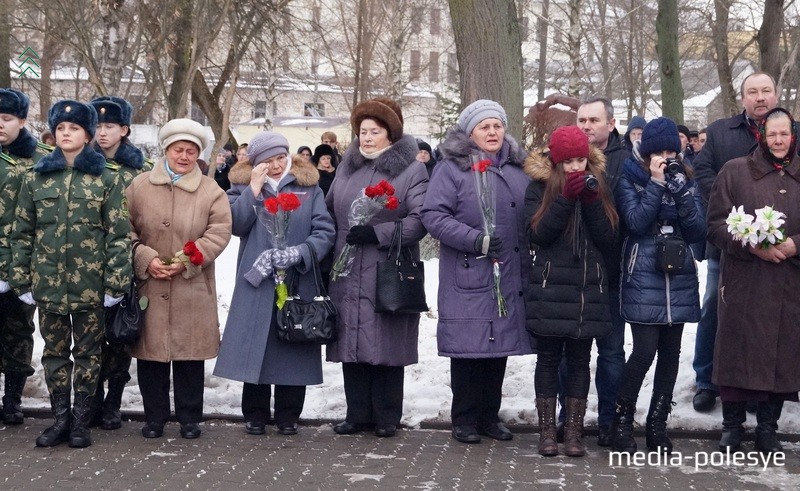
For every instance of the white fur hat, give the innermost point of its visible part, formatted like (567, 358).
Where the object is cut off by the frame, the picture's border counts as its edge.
(183, 129)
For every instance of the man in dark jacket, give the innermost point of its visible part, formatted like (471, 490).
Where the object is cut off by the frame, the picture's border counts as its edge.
(596, 119)
(726, 139)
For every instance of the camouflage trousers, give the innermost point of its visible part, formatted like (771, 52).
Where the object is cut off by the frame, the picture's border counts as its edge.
(59, 331)
(16, 334)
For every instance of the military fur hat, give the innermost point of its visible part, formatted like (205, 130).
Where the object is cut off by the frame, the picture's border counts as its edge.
(14, 102)
(386, 111)
(84, 115)
(183, 129)
(111, 109)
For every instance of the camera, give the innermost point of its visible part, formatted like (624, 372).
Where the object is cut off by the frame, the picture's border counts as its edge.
(591, 182)
(673, 167)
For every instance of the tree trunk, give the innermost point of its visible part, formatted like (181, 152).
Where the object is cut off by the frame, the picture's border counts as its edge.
(51, 51)
(669, 60)
(488, 48)
(769, 36)
(574, 47)
(541, 37)
(6, 6)
(180, 51)
(719, 29)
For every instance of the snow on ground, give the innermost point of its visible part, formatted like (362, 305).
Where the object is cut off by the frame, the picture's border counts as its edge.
(427, 390)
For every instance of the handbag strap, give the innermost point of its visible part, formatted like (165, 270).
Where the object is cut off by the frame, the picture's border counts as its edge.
(397, 240)
(293, 276)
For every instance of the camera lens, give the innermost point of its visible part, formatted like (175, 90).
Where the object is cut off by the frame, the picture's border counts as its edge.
(591, 182)
(673, 167)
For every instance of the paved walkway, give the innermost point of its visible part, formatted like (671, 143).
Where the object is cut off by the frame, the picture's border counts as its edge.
(224, 457)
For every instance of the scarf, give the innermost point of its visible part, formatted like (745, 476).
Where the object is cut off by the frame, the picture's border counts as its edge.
(373, 155)
(272, 183)
(172, 176)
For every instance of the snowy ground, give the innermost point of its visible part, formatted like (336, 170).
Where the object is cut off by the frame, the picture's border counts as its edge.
(427, 391)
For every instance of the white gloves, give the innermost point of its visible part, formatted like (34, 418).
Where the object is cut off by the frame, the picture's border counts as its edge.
(28, 298)
(110, 301)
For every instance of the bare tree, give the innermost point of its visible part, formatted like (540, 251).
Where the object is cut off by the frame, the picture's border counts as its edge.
(719, 29)
(6, 6)
(574, 46)
(769, 36)
(541, 38)
(668, 57)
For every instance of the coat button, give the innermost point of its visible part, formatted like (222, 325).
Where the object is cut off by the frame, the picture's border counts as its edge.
(513, 204)
(516, 249)
(166, 223)
(520, 293)
(165, 296)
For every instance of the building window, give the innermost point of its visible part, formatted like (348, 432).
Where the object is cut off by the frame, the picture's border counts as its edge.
(415, 65)
(287, 20)
(433, 67)
(198, 114)
(315, 109)
(314, 62)
(523, 28)
(557, 33)
(260, 110)
(452, 68)
(436, 17)
(416, 21)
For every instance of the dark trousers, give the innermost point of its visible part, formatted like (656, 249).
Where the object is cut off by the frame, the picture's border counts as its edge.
(477, 385)
(703, 363)
(116, 363)
(154, 385)
(647, 341)
(16, 334)
(374, 393)
(289, 401)
(576, 353)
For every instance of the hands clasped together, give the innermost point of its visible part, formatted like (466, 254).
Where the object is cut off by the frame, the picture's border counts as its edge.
(271, 260)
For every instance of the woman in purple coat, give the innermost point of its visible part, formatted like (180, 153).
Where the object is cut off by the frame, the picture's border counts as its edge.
(471, 332)
(374, 348)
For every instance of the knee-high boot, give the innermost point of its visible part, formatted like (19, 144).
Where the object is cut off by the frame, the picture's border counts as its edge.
(547, 426)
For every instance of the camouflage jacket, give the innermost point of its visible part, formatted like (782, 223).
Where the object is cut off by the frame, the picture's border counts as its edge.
(71, 243)
(15, 160)
(128, 162)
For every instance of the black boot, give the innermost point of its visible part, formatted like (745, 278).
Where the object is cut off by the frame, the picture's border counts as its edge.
(96, 417)
(767, 415)
(12, 398)
(59, 432)
(734, 415)
(80, 435)
(112, 419)
(656, 425)
(622, 427)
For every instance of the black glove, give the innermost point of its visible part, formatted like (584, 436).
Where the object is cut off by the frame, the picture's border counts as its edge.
(361, 234)
(493, 248)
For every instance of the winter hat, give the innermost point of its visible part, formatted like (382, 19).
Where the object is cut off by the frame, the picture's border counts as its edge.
(636, 122)
(568, 142)
(14, 102)
(300, 150)
(321, 151)
(685, 130)
(183, 129)
(383, 109)
(424, 146)
(71, 111)
(112, 109)
(658, 135)
(266, 145)
(478, 111)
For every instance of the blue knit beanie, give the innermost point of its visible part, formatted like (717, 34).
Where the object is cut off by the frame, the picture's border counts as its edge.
(84, 115)
(658, 135)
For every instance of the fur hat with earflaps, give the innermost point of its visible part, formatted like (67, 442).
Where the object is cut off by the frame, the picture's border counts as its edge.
(382, 109)
(14, 102)
(84, 115)
(112, 109)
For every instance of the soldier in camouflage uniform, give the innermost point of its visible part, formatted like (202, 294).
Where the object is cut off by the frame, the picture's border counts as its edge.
(70, 256)
(111, 139)
(20, 151)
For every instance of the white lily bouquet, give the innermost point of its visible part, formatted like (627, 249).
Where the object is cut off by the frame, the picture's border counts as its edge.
(762, 230)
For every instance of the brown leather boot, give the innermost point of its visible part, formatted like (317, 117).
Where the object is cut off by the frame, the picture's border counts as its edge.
(573, 428)
(547, 426)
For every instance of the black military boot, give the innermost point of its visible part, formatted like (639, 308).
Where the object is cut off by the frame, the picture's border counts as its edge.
(12, 398)
(622, 427)
(112, 418)
(734, 415)
(656, 424)
(80, 435)
(767, 415)
(59, 432)
(96, 417)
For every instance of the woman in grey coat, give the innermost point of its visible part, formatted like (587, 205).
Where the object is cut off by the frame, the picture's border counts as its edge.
(471, 332)
(372, 347)
(250, 350)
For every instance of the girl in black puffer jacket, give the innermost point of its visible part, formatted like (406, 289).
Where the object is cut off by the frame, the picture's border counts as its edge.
(572, 227)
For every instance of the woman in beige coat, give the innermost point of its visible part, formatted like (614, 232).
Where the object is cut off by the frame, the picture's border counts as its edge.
(172, 206)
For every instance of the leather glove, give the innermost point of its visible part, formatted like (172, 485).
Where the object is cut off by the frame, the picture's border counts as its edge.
(676, 183)
(27, 298)
(4, 286)
(361, 234)
(489, 247)
(589, 196)
(109, 301)
(574, 185)
(286, 258)
(262, 268)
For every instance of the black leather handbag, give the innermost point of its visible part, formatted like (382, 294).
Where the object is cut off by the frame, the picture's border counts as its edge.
(305, 322)
(124, 320)
(400, 287)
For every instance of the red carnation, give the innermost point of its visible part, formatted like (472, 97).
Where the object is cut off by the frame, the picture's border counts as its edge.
(271, 204)
(392, 203)
(190, 248)
(288, 201)
(387, 188)
(196, 258)
(372, 191)
(482, 165)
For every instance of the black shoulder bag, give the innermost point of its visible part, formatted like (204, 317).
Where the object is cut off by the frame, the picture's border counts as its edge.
(124, 320)
(400, 287)
(305, 322)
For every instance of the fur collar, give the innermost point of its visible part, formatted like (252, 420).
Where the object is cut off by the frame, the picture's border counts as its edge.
(392, 162)
(24, 146)
(189, 182)
(88, 161)
(539, 168)
(127, 155)
(457, 148)
(303, 171)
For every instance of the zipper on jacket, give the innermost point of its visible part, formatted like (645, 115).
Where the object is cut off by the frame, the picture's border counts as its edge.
(632, 261)
(545, 273)
(599, 276)
(583, 288)
(669, 301)
(491, 331)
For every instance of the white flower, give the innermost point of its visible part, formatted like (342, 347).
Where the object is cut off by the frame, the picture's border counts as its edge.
(768, 222)
(740, 224)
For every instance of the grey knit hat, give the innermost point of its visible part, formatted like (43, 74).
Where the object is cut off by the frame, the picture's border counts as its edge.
(266, 145)
(478, 111)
